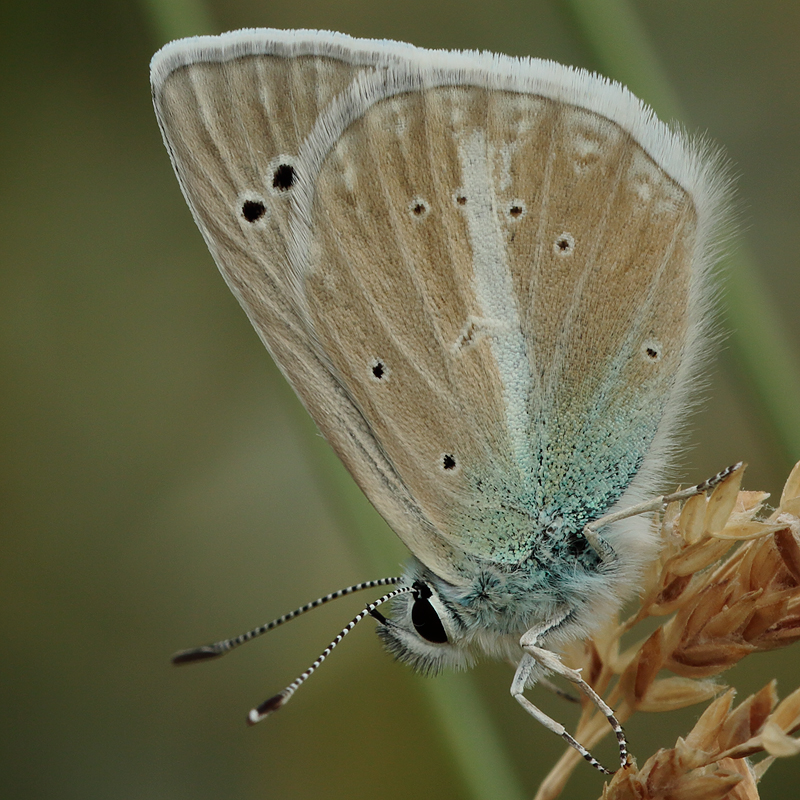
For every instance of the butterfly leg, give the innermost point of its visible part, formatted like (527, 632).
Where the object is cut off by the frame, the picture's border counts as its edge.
(604, 549)
(534, 654)
(521, 677)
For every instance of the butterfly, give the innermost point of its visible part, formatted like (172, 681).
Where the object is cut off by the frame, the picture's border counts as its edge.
(487, 279)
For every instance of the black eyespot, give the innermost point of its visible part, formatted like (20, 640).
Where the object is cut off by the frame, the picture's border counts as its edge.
(253, 210)
(284, 177)
(419, 208)
(426, 621)
(564, 244)
(652, 350)
(448, 461)
(516, 209)
(379, 371)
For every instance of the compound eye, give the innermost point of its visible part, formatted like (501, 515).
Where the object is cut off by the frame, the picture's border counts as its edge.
(426, 621)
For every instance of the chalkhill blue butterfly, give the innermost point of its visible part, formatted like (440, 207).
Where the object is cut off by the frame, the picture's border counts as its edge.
(487, 279)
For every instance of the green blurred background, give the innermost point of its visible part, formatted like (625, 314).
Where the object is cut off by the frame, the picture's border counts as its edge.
(162, 487)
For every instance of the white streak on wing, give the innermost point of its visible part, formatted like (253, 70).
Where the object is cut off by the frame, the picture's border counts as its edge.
(494, 290)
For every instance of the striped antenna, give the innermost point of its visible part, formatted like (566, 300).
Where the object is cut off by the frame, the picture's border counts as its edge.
(280, 699)
(226, 645)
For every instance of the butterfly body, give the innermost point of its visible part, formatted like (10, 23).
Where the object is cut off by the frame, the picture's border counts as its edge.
(487, 280)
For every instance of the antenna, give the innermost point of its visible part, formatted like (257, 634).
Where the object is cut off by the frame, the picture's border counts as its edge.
(280, 699)
(207, 651)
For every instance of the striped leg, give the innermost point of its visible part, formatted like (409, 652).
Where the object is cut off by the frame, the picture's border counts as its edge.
(604, 549)
(552, 663)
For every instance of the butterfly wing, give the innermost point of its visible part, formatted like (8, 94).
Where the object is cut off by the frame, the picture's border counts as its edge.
(480, 275)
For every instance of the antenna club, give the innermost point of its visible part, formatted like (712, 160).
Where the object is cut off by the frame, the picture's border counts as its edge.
(266, 708)
(196, 654)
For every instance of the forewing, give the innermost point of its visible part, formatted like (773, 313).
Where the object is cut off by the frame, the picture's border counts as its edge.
(230, 122)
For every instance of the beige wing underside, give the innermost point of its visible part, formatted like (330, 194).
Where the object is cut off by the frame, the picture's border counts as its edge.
(482, 297)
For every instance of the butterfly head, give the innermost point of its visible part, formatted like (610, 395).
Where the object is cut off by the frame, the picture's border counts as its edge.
(426, 631)
(437, 625)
